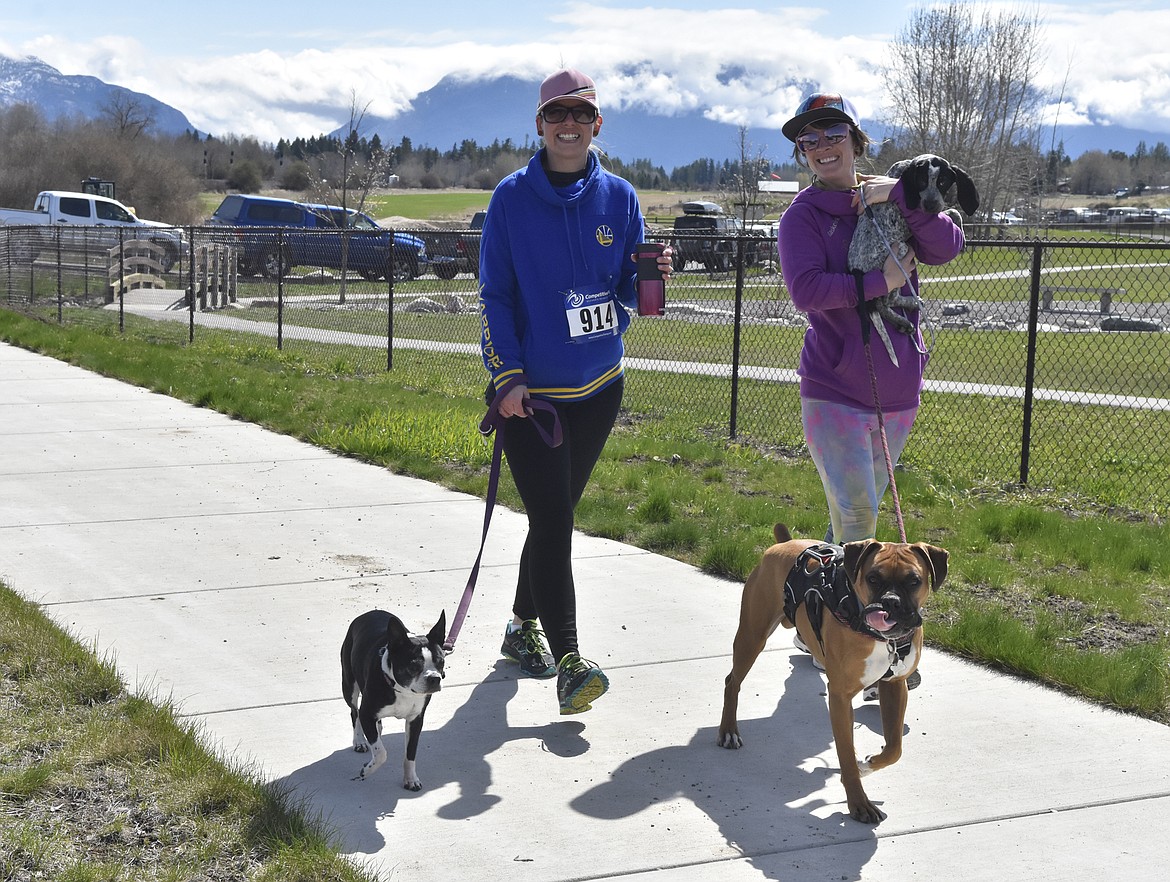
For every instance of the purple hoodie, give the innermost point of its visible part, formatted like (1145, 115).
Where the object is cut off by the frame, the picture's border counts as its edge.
(814, 244)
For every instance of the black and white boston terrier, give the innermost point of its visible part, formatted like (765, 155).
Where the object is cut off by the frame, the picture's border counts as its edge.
(388, 672)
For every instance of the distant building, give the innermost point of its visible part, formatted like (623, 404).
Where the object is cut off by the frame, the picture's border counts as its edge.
(791, 187)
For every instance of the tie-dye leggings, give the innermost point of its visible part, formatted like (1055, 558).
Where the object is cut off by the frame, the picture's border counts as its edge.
(846, 446)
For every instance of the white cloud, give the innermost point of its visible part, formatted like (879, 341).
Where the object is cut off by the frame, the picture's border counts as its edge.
(741, 64)
(1113, 65)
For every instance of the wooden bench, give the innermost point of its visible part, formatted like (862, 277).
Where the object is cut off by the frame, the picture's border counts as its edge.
(214, 275)
(134, 264)
(1105, 298)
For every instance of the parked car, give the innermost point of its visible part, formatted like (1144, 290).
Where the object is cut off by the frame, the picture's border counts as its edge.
(468, 245)
(85, 220)
(454, 251)
(714, 253)
(312, 236)
(1122, 215)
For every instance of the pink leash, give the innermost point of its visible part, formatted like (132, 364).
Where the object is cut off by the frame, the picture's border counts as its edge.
(493, 422)
(877, 405)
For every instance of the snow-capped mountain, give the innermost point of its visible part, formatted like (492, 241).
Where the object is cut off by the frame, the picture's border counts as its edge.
(31, 81)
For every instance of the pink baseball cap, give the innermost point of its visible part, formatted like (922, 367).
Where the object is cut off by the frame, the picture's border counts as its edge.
(568, 83)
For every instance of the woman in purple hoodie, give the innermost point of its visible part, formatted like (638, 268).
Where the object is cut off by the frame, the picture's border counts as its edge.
(837, 402)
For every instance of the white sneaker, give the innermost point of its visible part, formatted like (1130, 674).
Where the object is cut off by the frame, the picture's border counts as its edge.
(803, 647)
(870, 693)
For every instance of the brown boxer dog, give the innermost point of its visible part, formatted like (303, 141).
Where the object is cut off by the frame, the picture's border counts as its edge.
(857, 608)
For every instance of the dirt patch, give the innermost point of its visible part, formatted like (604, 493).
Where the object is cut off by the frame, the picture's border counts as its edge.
(1099, 631)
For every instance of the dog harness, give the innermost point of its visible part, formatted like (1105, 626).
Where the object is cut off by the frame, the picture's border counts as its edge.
(819, 581)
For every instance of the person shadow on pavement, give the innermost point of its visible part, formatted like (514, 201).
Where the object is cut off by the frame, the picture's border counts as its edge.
(444, 759)
(762, 796)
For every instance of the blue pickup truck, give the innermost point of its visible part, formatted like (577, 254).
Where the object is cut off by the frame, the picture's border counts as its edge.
(312, 235)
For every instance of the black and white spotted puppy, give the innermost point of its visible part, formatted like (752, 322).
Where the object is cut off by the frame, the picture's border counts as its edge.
(388, 672)
(929, 183)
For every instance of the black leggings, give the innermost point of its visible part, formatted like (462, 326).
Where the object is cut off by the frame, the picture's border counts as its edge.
(550, 482)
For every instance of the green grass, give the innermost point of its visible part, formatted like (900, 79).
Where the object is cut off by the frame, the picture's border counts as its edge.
(445, 205)
(99, 785)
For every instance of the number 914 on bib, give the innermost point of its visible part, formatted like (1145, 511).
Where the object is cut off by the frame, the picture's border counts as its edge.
(590, 314)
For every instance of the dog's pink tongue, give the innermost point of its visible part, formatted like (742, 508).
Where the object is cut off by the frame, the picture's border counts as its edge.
(878, 620)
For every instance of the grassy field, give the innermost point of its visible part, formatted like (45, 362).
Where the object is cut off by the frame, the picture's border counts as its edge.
(449, 206)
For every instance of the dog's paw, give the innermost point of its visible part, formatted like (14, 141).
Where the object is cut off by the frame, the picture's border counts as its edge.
(414, 785)
(864, 767)
(730, 740)
(361, 748)
(367, 770)
(866, 812)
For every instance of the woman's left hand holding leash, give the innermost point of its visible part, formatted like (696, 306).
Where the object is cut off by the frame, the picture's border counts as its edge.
(513, 403)
(872, 190)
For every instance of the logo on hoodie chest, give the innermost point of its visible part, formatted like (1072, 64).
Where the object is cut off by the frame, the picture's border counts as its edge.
(604, 235)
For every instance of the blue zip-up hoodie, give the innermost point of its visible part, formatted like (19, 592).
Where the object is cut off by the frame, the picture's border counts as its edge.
(539, 245)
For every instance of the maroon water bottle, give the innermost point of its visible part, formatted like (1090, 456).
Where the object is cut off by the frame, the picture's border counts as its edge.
(651, 284)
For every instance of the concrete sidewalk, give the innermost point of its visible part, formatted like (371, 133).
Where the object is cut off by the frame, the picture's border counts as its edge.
(220, 564)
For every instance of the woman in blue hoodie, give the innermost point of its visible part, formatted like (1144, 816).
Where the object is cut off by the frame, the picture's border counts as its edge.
(557, 278)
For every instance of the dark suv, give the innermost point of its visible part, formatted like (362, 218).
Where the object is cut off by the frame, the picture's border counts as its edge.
(468, 245)
(312, 236)
(712, 252)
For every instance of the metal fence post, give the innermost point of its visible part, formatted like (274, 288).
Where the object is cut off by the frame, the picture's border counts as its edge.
(390, 309)
(190, 284)
(60, 286)
(121, 279)
(280, 288)
(1030, 371)
(735, 336)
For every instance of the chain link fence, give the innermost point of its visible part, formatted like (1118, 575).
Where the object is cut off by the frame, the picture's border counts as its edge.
(1049, 357)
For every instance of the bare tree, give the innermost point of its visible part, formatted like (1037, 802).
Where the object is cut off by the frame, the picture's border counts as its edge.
(353, 177)
(962, 84)
(742, 189)
(127, 115)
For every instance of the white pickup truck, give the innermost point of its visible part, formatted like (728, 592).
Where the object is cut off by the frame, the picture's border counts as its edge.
(98, 220)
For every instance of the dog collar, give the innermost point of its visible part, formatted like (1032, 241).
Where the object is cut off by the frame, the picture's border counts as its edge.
(382, 665)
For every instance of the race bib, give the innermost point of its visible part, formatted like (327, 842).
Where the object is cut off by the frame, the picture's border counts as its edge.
(590, 314)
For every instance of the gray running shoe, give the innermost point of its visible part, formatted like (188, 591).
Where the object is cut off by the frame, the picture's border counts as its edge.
(527, 648)
(579, 684)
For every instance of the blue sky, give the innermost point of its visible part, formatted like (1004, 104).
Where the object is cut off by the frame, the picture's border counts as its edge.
(294, 68)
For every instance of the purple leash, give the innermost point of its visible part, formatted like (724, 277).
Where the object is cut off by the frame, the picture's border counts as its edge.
(493, 422)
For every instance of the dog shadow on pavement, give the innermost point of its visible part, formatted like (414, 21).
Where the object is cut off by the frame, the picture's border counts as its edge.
(456, 753)
(767, 796)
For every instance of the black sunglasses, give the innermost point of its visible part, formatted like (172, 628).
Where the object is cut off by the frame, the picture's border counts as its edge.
(582, 113)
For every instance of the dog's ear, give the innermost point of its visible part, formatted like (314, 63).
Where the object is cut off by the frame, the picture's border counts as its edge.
(898, 168)
(396, 631)
(439, 633)
(915, 178)
(968, 197)
(856, 554)
(936, 560)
